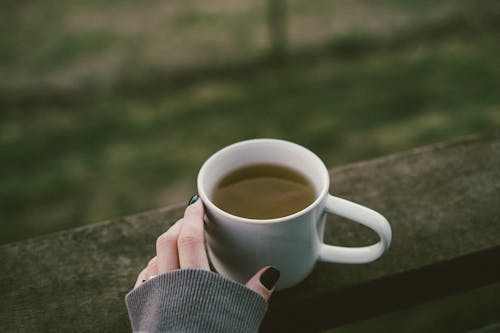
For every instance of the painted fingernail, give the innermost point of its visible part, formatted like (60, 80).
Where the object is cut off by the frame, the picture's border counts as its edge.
(270, 277)
(193, 199)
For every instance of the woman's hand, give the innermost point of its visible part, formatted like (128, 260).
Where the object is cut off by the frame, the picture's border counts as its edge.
(183, 246)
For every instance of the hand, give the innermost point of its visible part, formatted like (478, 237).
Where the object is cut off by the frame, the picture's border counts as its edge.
(182, 246)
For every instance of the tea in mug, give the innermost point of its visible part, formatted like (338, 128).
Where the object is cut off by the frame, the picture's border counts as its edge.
(263, 191)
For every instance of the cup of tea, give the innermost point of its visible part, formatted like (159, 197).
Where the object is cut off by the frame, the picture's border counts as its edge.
(266, 201)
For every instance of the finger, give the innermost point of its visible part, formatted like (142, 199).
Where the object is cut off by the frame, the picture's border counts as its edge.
(141, 278)
(152, 269)
(264, 281)
(190, 243)
(166, 249)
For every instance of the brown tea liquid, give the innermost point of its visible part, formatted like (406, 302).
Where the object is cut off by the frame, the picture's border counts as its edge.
(263, 191)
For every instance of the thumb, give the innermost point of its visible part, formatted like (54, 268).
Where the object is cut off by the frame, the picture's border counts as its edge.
(264, 281)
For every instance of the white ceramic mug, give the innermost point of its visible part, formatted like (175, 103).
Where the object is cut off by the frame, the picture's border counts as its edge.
(239, 246)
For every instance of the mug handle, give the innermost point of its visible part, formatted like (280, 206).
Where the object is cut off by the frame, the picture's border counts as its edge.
(362, 215)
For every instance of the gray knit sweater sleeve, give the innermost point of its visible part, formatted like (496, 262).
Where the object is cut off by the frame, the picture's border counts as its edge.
(193, 300)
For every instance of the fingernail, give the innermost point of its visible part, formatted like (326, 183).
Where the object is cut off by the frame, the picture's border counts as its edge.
(270, 277)
(193, 199)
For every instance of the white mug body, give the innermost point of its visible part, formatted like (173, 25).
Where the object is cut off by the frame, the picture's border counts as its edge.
(239, 249)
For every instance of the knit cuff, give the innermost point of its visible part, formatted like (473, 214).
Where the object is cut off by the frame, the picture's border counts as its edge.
(193, 300)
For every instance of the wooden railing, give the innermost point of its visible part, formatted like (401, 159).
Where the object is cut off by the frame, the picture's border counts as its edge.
(443, 202)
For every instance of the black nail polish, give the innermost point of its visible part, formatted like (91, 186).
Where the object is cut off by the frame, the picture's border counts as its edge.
(270, 277)
(193, 199)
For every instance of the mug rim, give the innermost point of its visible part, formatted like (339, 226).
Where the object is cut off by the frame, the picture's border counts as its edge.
(211, 206)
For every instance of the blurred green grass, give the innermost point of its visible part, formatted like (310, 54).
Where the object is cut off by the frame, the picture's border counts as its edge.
(77, 149)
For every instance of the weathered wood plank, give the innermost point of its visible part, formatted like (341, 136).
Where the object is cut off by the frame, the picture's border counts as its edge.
(442, 202)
